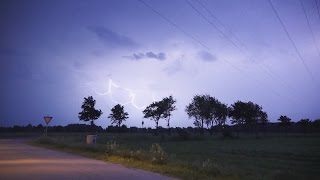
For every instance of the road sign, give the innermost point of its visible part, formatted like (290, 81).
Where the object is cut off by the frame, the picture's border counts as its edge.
(47, 119)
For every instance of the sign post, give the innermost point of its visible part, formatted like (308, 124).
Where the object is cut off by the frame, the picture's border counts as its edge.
(47, 119)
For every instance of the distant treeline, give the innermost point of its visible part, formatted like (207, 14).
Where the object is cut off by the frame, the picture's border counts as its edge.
(293, 127)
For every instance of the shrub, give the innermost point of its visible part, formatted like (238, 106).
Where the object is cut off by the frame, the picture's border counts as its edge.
(209, 166)
(158, 155)
(139, 155)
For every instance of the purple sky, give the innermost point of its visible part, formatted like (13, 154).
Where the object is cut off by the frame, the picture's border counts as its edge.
(54, 53)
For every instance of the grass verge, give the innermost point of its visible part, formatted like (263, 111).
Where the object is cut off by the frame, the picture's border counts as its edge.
(295, 157)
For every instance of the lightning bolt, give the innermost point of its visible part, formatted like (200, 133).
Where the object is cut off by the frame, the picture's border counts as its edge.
(130, 91)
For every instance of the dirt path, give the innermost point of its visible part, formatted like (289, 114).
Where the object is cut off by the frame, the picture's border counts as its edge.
(21, 161)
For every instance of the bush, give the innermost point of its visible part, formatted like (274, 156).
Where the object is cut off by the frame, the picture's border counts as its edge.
(209, 166)
(138, 155)
(158, 155)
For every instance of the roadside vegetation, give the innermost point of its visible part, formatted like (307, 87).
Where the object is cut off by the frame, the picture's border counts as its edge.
(274, 156)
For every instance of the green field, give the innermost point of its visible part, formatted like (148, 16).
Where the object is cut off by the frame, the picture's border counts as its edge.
(276, 156)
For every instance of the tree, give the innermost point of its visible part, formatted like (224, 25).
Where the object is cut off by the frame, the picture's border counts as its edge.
(160, 109)
(285, 122)
(258, 117)
(118, 115)
(237, 113)
(255, 115)
(218, 113)
(304, 124)
(247, 113)
(154, 112)
(200, 110)
(316, 123)
(166, 108)
(263, 120)
(89, 113)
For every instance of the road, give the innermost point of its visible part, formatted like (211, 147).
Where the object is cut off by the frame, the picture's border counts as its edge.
(19, 160)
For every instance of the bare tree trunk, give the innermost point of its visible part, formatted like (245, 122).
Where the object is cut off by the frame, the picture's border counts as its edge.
(202, 129)
(157, 122)
(169, 130)
(119, 129)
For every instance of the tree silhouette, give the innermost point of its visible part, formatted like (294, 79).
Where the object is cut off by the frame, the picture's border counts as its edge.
(118, 115)
(89, 113)
(160, 109)
(285, 122)
(166, 107)
(263, 120)
(237, 113)
(316, 123)
(254, 115)
(304, 124)
(218, 113)
(247, 113)
(153, 112)
(200, 110)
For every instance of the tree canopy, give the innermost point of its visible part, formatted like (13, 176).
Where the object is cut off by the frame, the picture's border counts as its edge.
(167, 105)
(218, 112)
(284, 121)
(247, 113)
(118, 115)
(89, 113)
(153, 112)
(160, 109)
(200, 109)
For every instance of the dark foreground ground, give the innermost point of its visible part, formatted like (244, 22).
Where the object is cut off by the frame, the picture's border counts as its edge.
(275, 156)
(19, 160)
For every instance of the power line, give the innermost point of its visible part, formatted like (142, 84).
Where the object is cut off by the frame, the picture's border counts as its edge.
(293, 44)
(265, 69)
(214, 26)
(183, 31)
(221, 24)
(202, 44)
(173, 24)
(270, 72)
(305, 13)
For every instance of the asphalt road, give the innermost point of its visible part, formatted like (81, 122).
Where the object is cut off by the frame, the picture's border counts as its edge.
(19, 160)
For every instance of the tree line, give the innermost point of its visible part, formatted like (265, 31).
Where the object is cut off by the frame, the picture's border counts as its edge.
(293, 127)
(205, 110)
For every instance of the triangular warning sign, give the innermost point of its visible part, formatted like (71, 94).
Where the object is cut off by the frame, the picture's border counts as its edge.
(47, 119)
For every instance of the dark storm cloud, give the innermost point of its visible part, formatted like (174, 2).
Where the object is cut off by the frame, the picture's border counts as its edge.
(206, 56)
(111, 38)
(151, 55)
(160, 56)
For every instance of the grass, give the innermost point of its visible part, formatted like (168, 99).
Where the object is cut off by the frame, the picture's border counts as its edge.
(210, 157)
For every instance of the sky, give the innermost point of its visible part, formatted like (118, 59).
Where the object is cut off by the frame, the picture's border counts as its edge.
(134, 52)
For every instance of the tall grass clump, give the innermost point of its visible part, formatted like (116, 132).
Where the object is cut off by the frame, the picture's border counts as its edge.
(158, 155)
(112, 148)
